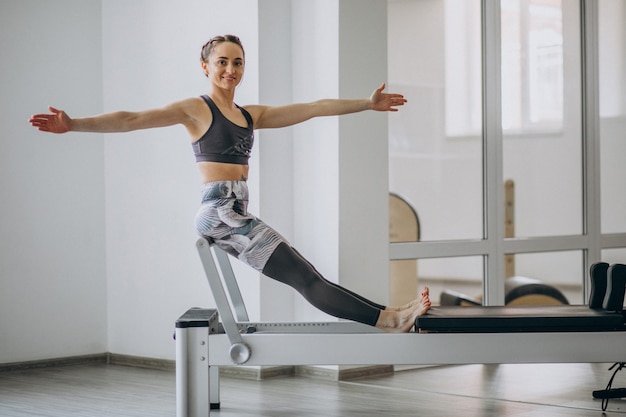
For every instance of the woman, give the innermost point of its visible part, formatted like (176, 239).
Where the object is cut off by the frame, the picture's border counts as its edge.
(222, 138)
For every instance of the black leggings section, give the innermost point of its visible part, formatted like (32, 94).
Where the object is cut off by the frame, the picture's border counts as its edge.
(286, 265)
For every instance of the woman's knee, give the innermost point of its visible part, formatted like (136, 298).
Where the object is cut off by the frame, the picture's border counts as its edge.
(286, 266)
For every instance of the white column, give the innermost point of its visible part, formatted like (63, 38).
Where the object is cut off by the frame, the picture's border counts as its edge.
(363, 161)
(340, 164)
(275, 146)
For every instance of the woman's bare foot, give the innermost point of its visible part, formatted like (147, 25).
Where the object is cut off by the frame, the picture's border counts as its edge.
(402, 321)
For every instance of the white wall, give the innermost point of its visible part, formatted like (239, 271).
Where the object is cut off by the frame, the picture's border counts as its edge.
(71, 285)
(315, 56)
(97, 230)
(340, 170)
(363, 152)
(151, 55)
(52, 265)
(274, 148)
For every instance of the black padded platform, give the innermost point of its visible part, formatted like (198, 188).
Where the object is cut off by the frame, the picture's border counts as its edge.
(559, 318)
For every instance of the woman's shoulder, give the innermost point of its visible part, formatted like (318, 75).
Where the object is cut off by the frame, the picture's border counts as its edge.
(196, 113)
(254, 110)
(192, 105)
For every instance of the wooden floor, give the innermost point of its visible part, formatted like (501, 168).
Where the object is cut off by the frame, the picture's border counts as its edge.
(470, 390)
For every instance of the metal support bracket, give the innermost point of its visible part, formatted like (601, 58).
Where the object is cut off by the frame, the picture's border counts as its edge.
(239, 351)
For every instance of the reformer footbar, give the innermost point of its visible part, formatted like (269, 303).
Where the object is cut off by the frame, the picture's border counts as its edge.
(203, 344)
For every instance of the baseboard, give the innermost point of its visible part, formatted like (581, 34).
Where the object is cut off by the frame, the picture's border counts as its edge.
(256, 373)
(343, 373)
(99, 358)
(141, 362)
(102, 358)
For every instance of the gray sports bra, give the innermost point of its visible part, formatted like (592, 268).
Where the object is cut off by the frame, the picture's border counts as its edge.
(225, 141)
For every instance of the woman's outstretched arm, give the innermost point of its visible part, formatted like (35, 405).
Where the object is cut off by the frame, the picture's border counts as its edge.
(57, 121)
(280, 116)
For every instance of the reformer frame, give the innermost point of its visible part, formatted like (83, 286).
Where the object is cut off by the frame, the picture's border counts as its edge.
(203, 343)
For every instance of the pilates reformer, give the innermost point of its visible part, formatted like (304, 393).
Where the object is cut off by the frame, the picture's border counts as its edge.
(207, 339)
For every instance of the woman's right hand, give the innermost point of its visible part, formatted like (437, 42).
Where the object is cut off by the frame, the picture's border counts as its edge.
(56, 122)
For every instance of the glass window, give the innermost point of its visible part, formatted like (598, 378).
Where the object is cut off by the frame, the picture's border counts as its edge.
(435, 144)
(613, 256)
(541, 119)
(612, 97)
(557, 273)
(436, 155)
(456, 275)
(532, 65)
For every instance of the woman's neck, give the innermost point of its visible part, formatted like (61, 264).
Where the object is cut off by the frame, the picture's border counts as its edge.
(222, 97)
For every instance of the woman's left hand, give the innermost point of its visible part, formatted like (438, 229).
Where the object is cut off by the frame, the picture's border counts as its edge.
(385, 101)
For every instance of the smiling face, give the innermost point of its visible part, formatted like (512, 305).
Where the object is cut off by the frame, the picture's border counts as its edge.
(225, 65)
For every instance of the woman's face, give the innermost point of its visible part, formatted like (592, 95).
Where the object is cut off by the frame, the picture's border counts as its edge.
(225, 66)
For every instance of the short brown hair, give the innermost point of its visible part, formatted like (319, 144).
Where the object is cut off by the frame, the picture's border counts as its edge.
(208, 47)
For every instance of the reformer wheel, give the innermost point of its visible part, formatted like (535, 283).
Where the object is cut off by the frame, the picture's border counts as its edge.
(529, 291)
(239, 353)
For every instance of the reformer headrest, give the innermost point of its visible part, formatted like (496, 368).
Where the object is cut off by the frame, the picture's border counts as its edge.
(613, 280)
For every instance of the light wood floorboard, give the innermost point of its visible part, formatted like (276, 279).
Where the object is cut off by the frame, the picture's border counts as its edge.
(471, 390)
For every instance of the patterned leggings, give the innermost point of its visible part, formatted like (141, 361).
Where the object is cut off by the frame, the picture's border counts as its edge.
(223, 217)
